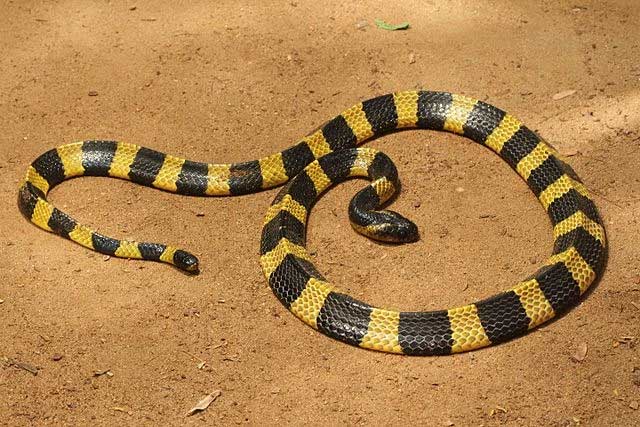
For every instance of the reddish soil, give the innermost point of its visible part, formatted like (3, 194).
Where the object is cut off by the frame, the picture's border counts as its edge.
(230, 81)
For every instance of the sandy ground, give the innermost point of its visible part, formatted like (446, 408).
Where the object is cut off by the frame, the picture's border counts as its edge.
(228, 81)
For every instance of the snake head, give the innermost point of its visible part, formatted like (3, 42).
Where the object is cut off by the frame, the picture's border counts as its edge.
(389, 226)
(186, 261)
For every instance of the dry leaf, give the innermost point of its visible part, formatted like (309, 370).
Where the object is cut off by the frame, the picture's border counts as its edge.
(391, 27)
(560, 95)
(568, 149)
(494, 411)
(629, 341)
(27, 367)
(581, 352)
(204, 403)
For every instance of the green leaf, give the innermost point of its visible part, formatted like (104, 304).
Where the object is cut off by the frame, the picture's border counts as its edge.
(389, 27)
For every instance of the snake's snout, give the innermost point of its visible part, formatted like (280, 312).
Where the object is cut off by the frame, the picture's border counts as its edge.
(186, 262)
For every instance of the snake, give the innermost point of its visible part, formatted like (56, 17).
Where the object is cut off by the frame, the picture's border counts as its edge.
(332, 154)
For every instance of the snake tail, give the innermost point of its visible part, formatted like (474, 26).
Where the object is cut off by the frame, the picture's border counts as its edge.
(89, 158)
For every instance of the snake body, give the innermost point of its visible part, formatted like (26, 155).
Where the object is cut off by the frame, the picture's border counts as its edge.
(326, 157)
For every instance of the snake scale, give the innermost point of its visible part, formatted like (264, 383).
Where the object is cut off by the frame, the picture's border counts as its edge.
(326, 157)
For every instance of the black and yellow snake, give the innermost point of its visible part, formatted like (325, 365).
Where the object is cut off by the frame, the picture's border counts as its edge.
(326, 157)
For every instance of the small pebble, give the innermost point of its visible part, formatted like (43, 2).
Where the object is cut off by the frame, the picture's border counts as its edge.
(580, 354)
(361, 25)
(459, 190)
(93, 93)
(412, 58)
(634, 405)
(56, 357)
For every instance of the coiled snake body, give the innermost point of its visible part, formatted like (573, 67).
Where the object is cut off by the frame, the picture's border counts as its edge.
(329, 156)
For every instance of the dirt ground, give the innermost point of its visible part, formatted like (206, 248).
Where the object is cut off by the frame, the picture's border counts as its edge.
(138, 343)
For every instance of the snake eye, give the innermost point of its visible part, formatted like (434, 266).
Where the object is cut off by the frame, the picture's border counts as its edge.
(186, 262)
